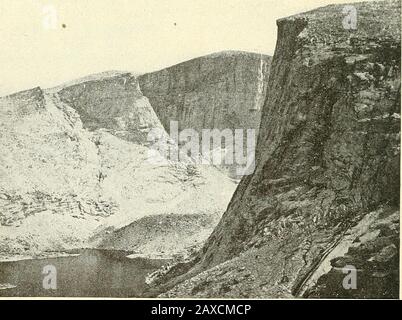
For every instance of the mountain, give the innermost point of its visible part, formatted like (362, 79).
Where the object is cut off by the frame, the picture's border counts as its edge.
(325, 192)
(221, 90)
(74, 164)
(224, 90)
(75, 172)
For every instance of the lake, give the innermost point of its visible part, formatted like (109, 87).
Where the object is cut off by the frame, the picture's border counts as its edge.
(92, 273)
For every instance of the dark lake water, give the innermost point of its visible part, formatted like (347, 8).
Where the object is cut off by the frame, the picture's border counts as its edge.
(94, 273)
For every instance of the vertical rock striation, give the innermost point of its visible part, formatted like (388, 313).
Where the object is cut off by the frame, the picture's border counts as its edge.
(221, 90)
(74, 162)
(325, 192)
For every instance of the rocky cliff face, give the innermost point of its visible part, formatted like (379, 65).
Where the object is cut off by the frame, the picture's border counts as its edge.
(224, 90)
(221, 90)
(325, 192)
(74, 162)
(115, 104)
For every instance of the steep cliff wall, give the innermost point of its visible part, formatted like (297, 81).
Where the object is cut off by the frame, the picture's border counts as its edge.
(73, 162)
(224, 90)
(221, 90)
(115, 104)
(325, 192)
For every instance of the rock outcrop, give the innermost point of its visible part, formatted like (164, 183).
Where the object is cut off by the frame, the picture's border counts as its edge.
(74, 162)
(172, 235)
(224, 90)
(221, 90)
(325, 192)
(115, 104)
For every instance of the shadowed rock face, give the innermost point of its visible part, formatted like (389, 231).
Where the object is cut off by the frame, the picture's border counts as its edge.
(325, 192)
(113, 103)
(221, 90)
(74, 162)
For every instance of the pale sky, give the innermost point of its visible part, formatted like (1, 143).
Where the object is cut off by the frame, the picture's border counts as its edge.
(130, 35)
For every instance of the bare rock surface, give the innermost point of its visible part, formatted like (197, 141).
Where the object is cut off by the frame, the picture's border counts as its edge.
(74, 162)
(325, 192)
(224, 90)
(221, 90)
(175, 236)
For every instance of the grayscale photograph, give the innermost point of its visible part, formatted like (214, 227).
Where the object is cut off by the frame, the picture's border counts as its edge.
(234, 149)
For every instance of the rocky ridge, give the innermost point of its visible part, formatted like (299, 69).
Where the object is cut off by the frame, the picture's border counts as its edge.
(224, 90)
(74, 162)
(325, 192)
